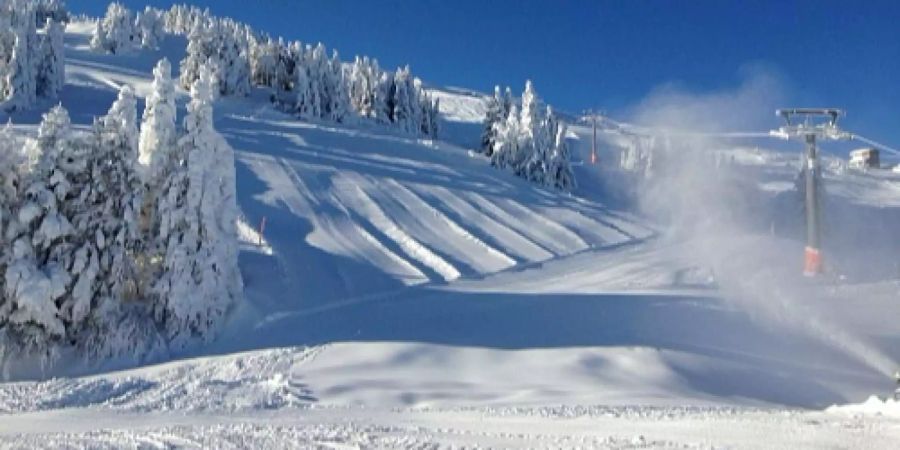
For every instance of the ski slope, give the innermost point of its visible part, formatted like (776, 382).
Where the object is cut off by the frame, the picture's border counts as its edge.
(404, 294)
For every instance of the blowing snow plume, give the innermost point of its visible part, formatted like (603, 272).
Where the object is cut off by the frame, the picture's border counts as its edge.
(714, 208)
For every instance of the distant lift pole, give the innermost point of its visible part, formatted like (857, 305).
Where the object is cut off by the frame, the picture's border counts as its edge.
(594, 139)
(593, 116)
(810, 125)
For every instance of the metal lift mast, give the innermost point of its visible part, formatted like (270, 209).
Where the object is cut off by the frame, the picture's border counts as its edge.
(808, 124)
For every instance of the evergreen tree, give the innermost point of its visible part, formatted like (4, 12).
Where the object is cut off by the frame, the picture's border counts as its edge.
(157, 153)
(263, 61)
(199, 51)
(402, 112)
(54, 10)
(560, 173)
(383, 97)
(21, 54)
(494, 114)
(507, 145)
(530, 108)
(43, 240)
(338, 97)
(158, 134)
(116, 32)
(11, 167)
(150, 27)
(200, 278)
(105, 269)
(51, 65)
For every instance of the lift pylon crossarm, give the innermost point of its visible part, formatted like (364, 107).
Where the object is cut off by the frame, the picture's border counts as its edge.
(832, 113)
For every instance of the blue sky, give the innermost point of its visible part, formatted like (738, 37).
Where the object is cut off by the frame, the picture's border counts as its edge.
(612, 54)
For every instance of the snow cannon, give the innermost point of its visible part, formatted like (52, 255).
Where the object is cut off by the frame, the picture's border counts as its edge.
(812, 264)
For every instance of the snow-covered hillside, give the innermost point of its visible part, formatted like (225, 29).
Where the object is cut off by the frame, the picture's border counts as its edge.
(402, 293)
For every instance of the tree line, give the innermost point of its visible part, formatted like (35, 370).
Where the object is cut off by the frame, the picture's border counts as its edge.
(304, 79)
(121, 240)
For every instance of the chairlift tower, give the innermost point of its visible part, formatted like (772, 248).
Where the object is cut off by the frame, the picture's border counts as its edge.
(811, 125)
(592, 116)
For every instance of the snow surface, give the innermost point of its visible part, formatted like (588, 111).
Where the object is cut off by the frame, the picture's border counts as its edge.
(403, 294)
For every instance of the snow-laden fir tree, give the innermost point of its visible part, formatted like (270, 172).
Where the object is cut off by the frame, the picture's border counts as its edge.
(317, 68)
(200, 49)
(51, 9)
(508, 139)
(290, 85)
(541, 142)
(402, 103)
(50, 76)
(530, 109)
(158, 132)
(12, 162)
(383, 98)
(105, 265)
(263, 61)
(338, 97)
(42, 243)
(150, 25)
(116, 32)
(157, 155)
(198, 210)
(428, 111)
(559, 170)
(494, 113)
(231, 55)
(301, 98)
(19, 53)
(361, 86)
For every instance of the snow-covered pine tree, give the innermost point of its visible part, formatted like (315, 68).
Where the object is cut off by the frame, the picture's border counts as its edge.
(317, 67)
(402, 112)
(157, 153)
(434, 116)
(302, 98)
(338, 104)
(424, 109)
(286, 58)
(233, 74)
(51, 75)
(507, 143)
(199, 50)
(383, 96)
(116, 32)
(559, 171)
(12, 161)
(98, 37)
(542, 140)
(158, 131)
(494, 113)
(200, 279)
(20, 48)
(361, 87)
(43, 241)
(105, 265)
(530, 109)
(508, 101)
(150, 27)
(51, 9)
(263, 61)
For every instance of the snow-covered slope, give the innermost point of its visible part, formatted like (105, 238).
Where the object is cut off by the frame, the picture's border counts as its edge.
(402, 293)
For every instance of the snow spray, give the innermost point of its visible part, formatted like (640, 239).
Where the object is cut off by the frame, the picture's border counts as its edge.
(720, 212)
